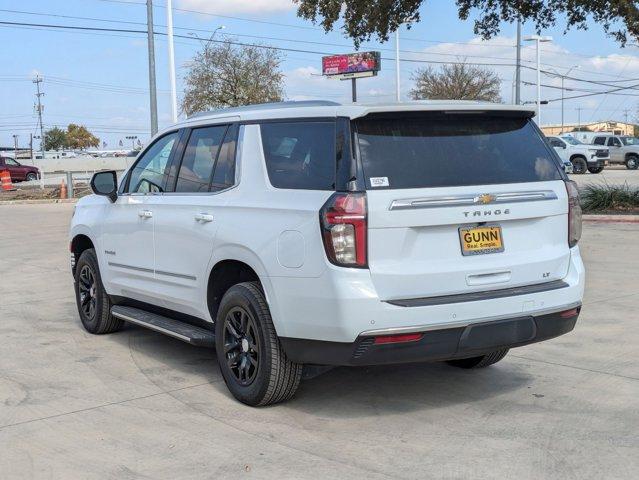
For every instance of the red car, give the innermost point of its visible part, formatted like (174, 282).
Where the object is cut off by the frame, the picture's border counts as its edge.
(18, 172)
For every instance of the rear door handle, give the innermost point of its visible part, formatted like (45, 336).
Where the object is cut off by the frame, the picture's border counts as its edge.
(203, 217)
(145, 214)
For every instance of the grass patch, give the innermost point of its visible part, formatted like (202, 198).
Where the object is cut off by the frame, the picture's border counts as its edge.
(609, 198)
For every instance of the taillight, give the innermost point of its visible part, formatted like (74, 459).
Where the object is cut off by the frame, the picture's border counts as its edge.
(343, 223)
(574, 213)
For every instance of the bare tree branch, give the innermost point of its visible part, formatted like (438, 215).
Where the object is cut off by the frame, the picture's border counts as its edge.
(456, 82)
(224, 75)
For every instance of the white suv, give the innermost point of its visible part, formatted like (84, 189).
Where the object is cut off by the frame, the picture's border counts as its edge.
(313, 233)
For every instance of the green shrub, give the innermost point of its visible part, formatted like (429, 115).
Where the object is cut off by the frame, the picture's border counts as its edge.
(604, 197)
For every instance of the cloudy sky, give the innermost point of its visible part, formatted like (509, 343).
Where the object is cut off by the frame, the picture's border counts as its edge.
(100, 78)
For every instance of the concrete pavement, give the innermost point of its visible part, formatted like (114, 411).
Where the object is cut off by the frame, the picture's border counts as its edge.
(615, 175)
(136, 404)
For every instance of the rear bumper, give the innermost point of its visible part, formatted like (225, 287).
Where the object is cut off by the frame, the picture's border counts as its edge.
(435, 345)
(342, 305)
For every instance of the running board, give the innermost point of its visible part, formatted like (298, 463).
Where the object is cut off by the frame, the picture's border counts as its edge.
(168, 326)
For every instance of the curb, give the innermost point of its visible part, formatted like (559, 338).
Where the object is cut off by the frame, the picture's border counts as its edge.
(39, 201)
(611, 218)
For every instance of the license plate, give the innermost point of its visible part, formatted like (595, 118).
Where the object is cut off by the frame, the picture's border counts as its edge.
(481, 240)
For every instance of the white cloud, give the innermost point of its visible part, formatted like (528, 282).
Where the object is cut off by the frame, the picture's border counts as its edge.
(230, 7)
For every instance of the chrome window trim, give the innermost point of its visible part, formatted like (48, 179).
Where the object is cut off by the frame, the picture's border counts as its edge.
(472, 199)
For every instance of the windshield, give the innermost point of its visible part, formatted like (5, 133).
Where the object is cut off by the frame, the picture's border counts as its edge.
(571, 140)
(630, 140)
(442, 150)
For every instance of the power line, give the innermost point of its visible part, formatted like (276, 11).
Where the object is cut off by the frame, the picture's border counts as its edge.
(270, 38)
(268, 47)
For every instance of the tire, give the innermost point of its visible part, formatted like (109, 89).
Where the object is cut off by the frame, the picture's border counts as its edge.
(31, 177)
(579, 165)
(481, 361)
(253, 364)
(94, 306)
(595, 169)
(632, 162)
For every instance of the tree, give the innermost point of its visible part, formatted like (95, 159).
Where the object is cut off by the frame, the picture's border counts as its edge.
(55, 139)
(79, 137)
(458, 81)
(224, 75)
(365, 18)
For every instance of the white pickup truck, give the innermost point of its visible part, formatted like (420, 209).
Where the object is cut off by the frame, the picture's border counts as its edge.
(582, 156)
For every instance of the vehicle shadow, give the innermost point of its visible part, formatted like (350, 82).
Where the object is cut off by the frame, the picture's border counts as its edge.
(339, 392)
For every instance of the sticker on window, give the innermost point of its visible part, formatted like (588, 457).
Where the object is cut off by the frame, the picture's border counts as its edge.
(379, 181)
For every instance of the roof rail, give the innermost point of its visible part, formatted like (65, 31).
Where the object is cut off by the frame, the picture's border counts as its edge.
(267, 106)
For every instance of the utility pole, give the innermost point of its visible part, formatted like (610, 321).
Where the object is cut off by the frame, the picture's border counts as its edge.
(38, 80)
(398, 95)
(15, 146)
(625, 115)
(169, 32)
(518, 66)
(354, 89)
(152, 87)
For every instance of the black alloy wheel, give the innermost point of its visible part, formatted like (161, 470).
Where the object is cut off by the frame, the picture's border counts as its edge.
(241, 345)
(87, 291)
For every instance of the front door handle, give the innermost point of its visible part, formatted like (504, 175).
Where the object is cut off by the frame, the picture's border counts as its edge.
(145, 214)
(203, 217)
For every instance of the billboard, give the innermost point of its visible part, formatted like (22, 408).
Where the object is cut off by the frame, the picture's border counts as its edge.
(350, 65)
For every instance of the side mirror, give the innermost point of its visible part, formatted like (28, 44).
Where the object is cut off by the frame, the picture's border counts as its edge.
(105, 184)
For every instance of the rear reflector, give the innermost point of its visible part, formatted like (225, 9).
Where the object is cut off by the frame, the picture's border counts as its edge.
(573, 312)
(407, 337)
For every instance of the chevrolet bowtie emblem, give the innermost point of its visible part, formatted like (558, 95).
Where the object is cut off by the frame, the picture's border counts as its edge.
(485, 198)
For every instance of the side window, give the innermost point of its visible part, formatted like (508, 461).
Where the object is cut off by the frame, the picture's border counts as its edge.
(300, 155)
(599, 141)
(555, 142)
(151, 171)
(614, 142)
(224, 176)
(199, 159)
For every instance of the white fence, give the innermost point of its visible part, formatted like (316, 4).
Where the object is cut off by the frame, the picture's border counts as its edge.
(81, 164)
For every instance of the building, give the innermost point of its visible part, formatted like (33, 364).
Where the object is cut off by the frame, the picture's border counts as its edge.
(618, 128)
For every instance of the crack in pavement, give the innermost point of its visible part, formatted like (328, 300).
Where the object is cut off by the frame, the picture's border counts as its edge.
(576, 368)
(95, 407)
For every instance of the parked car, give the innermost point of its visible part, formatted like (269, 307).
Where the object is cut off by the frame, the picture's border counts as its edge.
(19, 172)
(582, 157)
(624, 150)
(313, 233)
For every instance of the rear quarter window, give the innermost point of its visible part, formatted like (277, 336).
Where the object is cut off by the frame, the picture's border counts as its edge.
(443, 150)
(300, 155)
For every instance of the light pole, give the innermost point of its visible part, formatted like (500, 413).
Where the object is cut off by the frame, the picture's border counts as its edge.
(397, 87)
(538, 39)
(563, 77)
(169, 32)
(133, 138)
(211, 38)
(579, 109)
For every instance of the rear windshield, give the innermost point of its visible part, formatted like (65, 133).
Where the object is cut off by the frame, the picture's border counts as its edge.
(452, 150)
